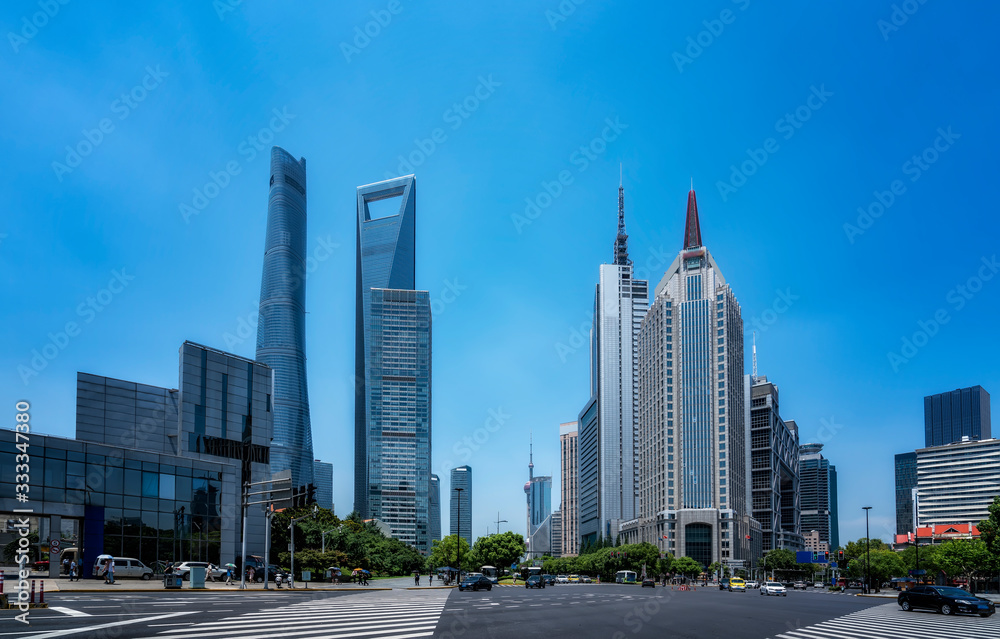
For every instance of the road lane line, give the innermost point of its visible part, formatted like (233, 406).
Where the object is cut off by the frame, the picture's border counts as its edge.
(69, 611)
(74, 631)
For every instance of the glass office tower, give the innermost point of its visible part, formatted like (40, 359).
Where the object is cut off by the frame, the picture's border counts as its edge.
(281, 331)
(435, 508)
(385, 260)
(461, 502)
(955, 416)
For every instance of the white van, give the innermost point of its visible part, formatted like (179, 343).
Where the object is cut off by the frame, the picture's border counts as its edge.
(126, 567)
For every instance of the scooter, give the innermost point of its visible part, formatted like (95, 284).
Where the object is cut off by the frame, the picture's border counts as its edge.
(280, 578)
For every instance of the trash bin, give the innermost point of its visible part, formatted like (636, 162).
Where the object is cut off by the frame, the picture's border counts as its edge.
(172, 581)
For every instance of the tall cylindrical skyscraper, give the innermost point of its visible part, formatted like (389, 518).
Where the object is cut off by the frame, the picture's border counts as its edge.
(281, 331)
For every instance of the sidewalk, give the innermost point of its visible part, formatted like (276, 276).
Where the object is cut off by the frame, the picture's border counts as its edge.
(153, 585)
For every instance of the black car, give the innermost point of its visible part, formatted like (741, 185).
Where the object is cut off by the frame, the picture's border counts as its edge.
(945, 599)
(548, 580)
(648, 581)
(723, 584)
(479, 582)
(535, 581)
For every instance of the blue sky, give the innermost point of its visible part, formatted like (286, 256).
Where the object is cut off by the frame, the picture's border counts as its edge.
(787, 119)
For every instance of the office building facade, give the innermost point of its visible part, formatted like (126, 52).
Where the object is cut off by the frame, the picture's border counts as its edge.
(774, 474)
(154, 473)
(619, 305)
(694, 490)
(569, 532)
(385, 260)
(281, 328)
(435, 508)
(557, 534)
(956, 483)
(399, 413)
(818, 488)
(323, 480)
(958, 415)
(906, 483)
(461, 503)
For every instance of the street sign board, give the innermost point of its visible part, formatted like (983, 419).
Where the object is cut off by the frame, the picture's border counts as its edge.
(54, 547)
(918, 572)
(834, 564)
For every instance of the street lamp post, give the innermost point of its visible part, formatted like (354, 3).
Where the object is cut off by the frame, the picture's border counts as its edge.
(324, 534)
(500, 521)
(458, 541)
(868, 546)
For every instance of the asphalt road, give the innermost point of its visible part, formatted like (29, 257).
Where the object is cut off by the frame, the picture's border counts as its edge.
(602, 611)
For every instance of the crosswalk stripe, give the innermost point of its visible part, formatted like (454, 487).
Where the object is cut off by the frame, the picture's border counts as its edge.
(889, 622)
(237, 624)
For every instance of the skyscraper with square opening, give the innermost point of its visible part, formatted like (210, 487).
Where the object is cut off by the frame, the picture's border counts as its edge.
(392, 366)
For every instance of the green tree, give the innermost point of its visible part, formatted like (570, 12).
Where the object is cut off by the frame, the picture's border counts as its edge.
(665, 566)
(885, 564)
(989, 529)
(968, 558)
(779, 559)
(928, 559)
(714, 568)
(445, 553)
(687, 566)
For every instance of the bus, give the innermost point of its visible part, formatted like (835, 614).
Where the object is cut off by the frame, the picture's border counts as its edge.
(625, 577)
(532, 570)
(491, 572)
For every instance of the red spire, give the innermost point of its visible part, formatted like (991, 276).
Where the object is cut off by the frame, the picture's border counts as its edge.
(692, 230)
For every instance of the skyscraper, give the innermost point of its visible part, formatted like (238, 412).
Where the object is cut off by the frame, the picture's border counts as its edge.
(693, 453)
(392, 368)
(608, 422)
(385, 259)
(323, 480)
(818, 487)
(435, 508)
(557, 534)
(774, 451)
(906, 482)
(281, 331)
(461, 502)
(399, 413)
(569, 541)
(958, 415)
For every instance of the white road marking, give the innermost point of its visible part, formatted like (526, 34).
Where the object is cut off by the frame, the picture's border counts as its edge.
(74, 631)
(69, 611)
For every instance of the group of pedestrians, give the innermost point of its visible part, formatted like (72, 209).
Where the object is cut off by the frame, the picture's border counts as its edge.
(108, 570)
(73, 568)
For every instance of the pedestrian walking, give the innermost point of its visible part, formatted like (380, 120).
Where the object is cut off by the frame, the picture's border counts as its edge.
(229, 575)
(65, 565)
(416, 579)
(104, 571)
(430, 579)
(111, 570)
(72, 571)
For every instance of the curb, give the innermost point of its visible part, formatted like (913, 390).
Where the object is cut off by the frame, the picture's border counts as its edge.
(427, 588)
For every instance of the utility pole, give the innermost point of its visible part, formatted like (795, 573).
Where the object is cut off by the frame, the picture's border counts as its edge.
(291, 533)
(278, 489)
(500, 521)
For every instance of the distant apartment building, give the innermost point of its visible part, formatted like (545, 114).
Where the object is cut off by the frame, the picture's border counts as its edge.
(956, 415)
(818, 489)
(569, 537)
(557, 534)
(813, 543)
(957, 482)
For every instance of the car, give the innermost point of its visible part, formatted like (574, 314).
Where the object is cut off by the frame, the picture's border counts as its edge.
(574, 579)
(737, 585)
(773, 588)
(945, 599)
(724, 584)
(549, 580)
(799, 585)
(819, 584)
(183, 569)
(752, 584)
(40, 566)
(562, 579)
(535, 581)
(649, 581)
(125, 567)
(585, 579)
(476, 582)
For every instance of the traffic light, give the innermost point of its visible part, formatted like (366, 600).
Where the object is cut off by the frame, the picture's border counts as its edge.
(311, 497)
(840, 555)
(815, 557)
